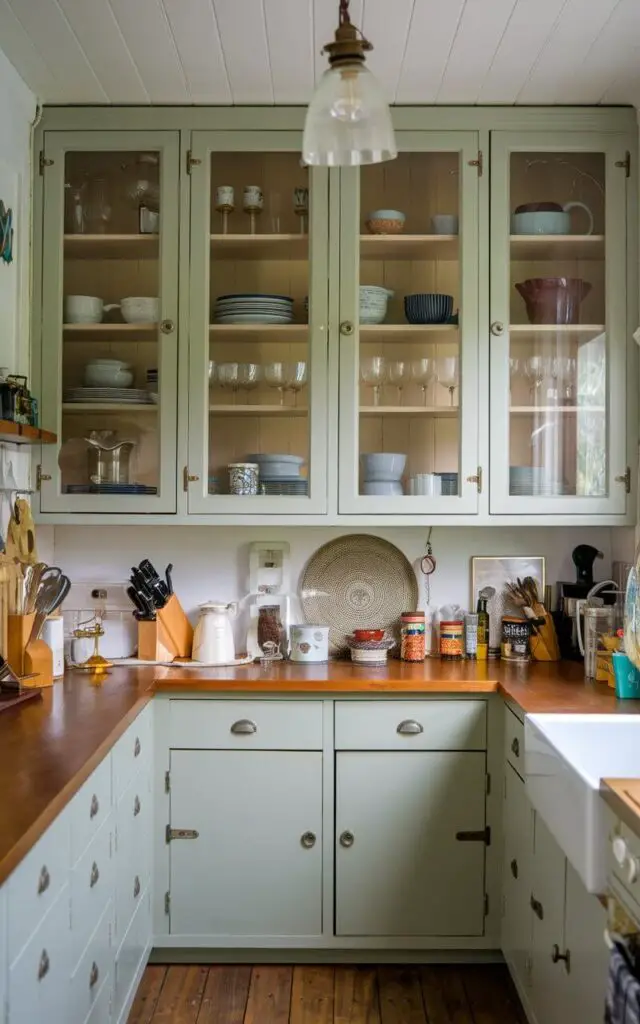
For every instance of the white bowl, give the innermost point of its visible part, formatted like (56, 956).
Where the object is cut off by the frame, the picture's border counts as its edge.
(389, 488)
(140, 309)
(374, 291)
(382, 466)
(102, 375)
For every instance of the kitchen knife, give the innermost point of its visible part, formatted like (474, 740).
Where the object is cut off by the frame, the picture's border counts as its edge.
(167, 576)
(141, 607)
(149, 570)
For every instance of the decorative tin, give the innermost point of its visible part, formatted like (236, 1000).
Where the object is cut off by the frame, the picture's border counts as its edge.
(515, 638)
(451, 640)
(412, 636)
(243, 477)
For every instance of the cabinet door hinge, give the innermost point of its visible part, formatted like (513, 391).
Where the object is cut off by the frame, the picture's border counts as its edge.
(476, 479)
(40, 477)
(180, 833)
(625, 479)
(626, 163)
(43, 161)
(188, 478)
(167, 782)
(192, 161)
(488, 789)
(478, 162)
(167, 902)
(486, 904)
(481, 836)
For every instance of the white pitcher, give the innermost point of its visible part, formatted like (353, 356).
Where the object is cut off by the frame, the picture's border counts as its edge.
(213, 642)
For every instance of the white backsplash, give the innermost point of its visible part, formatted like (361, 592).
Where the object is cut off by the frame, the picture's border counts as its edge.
(213, 562)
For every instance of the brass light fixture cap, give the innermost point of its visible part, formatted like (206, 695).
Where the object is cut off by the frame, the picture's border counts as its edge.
(349, 44)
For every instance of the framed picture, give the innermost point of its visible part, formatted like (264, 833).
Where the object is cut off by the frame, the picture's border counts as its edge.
(496, 571)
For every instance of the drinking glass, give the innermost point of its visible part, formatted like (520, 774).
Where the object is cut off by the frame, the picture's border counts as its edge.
(98, 213)
(373, 374)
(275, 212)
(76, 212)
(534, 371)
(447, 374)
(423, 372)
(274, 377)
(228, 376)
(563, 370)
(301, 207)
(396, 375)
(295, 377)
(249, 376)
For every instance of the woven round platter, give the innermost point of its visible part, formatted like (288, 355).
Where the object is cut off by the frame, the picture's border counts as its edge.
(357, 582)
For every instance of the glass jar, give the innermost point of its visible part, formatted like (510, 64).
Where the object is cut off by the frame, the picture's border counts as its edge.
(412, 636)
(451, 640)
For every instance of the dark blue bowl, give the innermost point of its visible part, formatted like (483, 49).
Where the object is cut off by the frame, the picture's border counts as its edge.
(428, 308)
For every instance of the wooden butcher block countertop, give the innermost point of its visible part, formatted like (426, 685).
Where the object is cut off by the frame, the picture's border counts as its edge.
(623, 797)
(50, 747)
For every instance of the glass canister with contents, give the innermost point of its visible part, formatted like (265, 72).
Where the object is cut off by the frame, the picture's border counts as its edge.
(412, 636)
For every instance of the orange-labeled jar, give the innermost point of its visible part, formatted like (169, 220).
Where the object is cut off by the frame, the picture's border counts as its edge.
(452, 640)
(412, 628)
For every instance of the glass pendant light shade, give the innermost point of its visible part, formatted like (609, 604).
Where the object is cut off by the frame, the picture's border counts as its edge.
(348, 121)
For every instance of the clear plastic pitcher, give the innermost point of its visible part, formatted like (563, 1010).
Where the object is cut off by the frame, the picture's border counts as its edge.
(597, 623)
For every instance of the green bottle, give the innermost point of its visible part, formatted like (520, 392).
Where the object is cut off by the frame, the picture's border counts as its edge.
(483, 630)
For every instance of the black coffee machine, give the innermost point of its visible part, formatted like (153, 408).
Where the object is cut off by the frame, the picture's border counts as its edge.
(584, 555)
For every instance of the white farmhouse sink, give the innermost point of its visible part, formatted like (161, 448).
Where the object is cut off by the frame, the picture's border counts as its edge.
(566, 756)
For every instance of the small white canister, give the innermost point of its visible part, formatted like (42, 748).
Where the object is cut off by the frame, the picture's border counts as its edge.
(53, 636)
(310, 643)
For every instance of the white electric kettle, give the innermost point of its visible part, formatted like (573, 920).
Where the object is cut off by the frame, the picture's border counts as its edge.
(213, 642)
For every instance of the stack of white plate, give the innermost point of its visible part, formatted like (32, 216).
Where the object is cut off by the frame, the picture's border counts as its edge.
(123, 396)
(534, 480)
(253, 309)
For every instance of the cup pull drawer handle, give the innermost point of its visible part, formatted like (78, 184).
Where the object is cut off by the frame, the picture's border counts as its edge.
(44, 965)
(244, 727)
(136, 747)
(95, 806)
(410, 727)
(515, 747)
(136, 887)
(95, 875)
(137, 806)
(44, 881)
(94, 975)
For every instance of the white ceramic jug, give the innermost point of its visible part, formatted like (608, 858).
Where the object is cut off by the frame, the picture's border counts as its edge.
(213, 642)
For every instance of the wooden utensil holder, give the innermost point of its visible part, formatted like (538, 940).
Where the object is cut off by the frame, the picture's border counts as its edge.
(28, 657)
(169, 637)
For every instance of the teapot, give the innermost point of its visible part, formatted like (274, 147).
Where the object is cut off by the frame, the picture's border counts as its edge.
(213, 642)
(547, 218)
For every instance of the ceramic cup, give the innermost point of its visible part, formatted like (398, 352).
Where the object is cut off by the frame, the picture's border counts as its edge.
(445, 224)
(225, 197)
(310, 643)
(253, 198)
(85, 309)
(243, 477)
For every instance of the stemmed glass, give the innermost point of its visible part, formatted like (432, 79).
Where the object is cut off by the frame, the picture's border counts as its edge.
(447, 374)
(249, 375)
(275, 377)
(228, 376)
(423, 372)
(534, 371)
(295, 378)
(563, 370)
(373, 374)
(396, 375)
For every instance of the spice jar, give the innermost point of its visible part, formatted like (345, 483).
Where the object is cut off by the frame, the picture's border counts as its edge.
(451, 640)
(412, 631)
(515, 639)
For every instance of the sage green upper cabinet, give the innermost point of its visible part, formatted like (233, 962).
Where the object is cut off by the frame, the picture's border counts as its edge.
(258, 334)
(559, 332)
(408, 374)
(109, 320)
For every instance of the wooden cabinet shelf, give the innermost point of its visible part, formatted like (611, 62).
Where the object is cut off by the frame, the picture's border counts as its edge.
(528, 248)
(258, 410)
(19, 433)
(545, 332)
(534, 410)
(260, 247)
(409, 247)
(100, 407)
(110, 332)
(431, 333)
(409, 410)
(258, 332)
(111, 247)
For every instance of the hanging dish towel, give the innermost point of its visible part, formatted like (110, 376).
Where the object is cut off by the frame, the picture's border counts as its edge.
(623, 988)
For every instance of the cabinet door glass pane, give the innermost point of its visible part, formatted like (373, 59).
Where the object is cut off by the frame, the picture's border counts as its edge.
(558, 353)
(259, 367)
(111, 302)
(409, 351)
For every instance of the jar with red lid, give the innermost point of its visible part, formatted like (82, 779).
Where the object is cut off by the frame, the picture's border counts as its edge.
(452, 640)
(412, 630)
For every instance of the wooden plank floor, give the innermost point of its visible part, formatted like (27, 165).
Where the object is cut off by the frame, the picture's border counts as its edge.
(481, 994)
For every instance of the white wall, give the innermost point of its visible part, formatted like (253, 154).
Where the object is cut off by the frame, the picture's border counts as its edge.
(213, 562)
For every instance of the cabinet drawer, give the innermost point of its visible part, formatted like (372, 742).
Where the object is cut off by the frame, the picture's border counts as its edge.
(411, 725)
(133, 850)
(90, 808)
(93, 969)
(100, 1012)
(131, 752)
(35, 884)
(132, 952)
(514, 741)
(244, 725)
(92, 882)
(39, 979)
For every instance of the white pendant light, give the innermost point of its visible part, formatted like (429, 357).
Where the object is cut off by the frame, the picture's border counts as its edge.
(348, 121)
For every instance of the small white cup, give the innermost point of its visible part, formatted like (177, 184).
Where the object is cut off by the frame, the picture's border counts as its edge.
(225, 197)
(445, 224)
(253, 198)
(85, 309)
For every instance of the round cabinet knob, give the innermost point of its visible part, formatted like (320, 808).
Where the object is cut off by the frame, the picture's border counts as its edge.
(346, 327)
(620, 851)
(167, 326)
(497, 328)
(347, 839)
(308, 839)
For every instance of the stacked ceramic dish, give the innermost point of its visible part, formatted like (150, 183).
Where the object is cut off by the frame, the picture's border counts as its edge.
(373, 303)
(152, 384)
(253, 309)
(122, 396)
(280, 474)
(370, 652)
(534, 480)
(448, 483)
(108, 373)
(382, 473)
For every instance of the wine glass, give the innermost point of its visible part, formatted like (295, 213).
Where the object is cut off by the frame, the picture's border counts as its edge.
(295, 378)
(447, 374)
(396, 375)
(249, 376)
(534, 371)
(301, 207)
(423, 372)
(373, 374)
(274, 377)
(253, 204)
(228, 376)
(98, 211)
(225, 204)
(563, 372)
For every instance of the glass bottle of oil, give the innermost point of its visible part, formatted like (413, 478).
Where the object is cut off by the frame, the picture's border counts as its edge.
(483, 630)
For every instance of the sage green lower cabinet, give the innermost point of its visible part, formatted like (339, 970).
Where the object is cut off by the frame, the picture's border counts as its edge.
(255, 868)
(516, 888)
(401, 868)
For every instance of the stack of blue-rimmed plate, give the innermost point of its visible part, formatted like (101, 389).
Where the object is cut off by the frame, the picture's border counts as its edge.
(280, 474)
(253, 309)
(449, 483)
(534, 480)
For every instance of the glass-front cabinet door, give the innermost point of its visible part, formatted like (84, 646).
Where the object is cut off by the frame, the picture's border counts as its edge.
(258, 326)
(409, 329)
(558, 342)
(109, 321)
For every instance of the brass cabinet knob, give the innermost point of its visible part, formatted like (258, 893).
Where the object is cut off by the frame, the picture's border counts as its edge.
(167, 327)
(346, 327)
(308, 839)
(497, 328)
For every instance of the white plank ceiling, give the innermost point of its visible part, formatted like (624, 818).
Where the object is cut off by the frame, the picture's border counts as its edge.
(268, 51)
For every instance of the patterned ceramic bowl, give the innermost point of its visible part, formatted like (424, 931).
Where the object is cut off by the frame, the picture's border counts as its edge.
(243, 478)
(428, 308)
(385, 222)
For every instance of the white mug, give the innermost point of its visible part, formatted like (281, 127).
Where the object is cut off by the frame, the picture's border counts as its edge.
(445, 223)
(85, 309)
(252, 197)
(225, 197)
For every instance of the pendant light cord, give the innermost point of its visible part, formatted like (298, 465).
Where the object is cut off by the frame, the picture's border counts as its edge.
(344, 12)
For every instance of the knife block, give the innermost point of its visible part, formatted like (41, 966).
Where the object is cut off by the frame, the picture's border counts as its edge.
(28, 657)
(169, 637)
